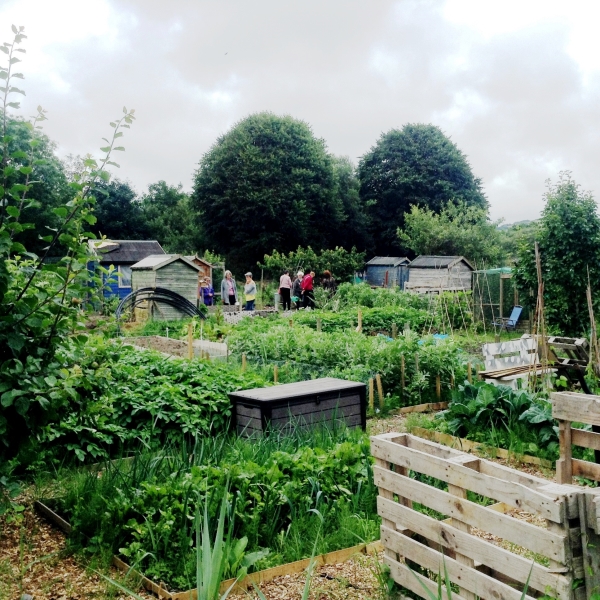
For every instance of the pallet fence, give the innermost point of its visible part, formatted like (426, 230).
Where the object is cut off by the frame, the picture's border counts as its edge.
(481, 546)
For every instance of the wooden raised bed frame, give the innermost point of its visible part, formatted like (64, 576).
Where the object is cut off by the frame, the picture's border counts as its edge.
(293, 568)
(479, 567)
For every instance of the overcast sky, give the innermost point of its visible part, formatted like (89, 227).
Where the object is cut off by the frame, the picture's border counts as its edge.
(515, 84)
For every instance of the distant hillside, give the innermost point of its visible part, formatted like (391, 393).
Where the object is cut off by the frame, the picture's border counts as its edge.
(511, 225)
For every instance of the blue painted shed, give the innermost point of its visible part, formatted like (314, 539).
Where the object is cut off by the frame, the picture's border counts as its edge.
(119, 256)
(387, 271)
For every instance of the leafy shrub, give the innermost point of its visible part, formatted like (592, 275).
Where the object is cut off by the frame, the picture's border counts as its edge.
(507, 418)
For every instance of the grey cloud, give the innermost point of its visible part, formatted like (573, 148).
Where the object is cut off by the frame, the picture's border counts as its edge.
(516, 104)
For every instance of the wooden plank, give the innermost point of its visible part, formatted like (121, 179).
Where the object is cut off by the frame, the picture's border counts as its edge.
(247, 411)
(429, 406)
(575, 407)
(52, 516)
(407, 578)
(586, 439)
(586, 469)
(590, 543)
(470, 446)
(516, 531)
(312, 406)
(516, 495)
(475, 547)
(480, 584)
(564, 465)
(147, 583)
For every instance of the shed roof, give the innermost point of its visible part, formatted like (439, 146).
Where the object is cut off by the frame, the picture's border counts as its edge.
(195, 257)
(496, 271)
(158, 261)
(438, 262)
(388, 261)
(124, 251)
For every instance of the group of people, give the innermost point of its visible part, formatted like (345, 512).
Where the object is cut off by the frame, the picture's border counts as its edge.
(299, 291)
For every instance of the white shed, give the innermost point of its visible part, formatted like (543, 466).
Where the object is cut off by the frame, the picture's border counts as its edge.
(439, 274)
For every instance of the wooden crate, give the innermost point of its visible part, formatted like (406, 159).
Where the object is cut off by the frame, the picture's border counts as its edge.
(412, 470)
(305, 403)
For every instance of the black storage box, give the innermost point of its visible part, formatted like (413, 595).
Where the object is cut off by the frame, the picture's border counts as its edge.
(305, 403)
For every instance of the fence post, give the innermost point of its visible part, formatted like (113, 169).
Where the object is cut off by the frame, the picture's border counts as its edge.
(371, 394)
(190, 341)
(379, 390)
(438, 387)
(394, 331)
(402, 375)
(275, 374)
(359, 328)
(469, 372)
(244, 363)
(319, 324)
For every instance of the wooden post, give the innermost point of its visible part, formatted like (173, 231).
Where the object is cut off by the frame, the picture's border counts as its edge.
(244, 362)
(319, 321)
(291, 322)
(359, 328)
(262, 289)
(452, 381)
(402, 374)
(438, 387)
(371, 394)
(417, 362)
(394, 331)
(379, 390)
(469, 372)
(190, 341)
(275, 374)
(564, 465)
(500, 309)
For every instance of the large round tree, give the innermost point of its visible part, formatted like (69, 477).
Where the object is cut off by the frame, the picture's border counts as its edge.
(268, 184)
(413, 166)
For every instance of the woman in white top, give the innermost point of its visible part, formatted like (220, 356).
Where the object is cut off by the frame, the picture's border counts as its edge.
(285, 290)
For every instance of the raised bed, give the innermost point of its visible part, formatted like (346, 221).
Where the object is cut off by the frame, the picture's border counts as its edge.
(293, 568)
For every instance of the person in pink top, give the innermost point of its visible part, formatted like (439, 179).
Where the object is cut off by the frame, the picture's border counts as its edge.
(285, 290)
(307, 290)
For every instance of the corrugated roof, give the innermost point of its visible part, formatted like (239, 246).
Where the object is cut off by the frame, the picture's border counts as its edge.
(388, 261)
(157, 261)
(437, 262)
(125, 251)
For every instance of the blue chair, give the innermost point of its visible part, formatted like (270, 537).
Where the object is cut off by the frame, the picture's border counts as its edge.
(509, 323)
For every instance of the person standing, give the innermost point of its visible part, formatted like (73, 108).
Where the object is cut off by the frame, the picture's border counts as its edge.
(308, 290)
(329, 283)
(228, 289)
(250, 291)
(297, 289)
(285, 290)
(208, 293)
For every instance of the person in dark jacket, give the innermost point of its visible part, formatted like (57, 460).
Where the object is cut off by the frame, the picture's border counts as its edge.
(297, 289)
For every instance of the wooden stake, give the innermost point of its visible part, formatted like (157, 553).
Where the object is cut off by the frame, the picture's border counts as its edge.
(379, 390)
(319, 322)
(275, 374)
(190, 341)
(291, 322)
(402, 374)
(452, 381)
(244, 362)
(417, 362)
(359, 328)
(438, 387)
(394, 331)
(469, 372)
(371, 394)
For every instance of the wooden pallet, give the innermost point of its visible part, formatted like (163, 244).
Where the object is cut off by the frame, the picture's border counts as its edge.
(480, 568)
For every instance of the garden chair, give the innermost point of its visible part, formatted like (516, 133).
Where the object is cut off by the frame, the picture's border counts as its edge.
(509, 323)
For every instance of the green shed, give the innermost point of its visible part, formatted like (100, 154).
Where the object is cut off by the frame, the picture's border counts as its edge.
(170, 271)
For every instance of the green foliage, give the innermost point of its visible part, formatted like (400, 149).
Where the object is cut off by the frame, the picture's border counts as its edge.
(107, 396)
(267, 183)
(569, 242)
(118, 212)
(341, 263)
(515, 235)
(268, 488)
(457, 230)
(351, 355)
(169, 218)
(417, 165)
(40, 296)
(502, 417)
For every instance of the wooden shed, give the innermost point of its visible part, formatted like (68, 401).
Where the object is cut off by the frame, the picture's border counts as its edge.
(436, 274)
(387, 271)
(171, 271)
